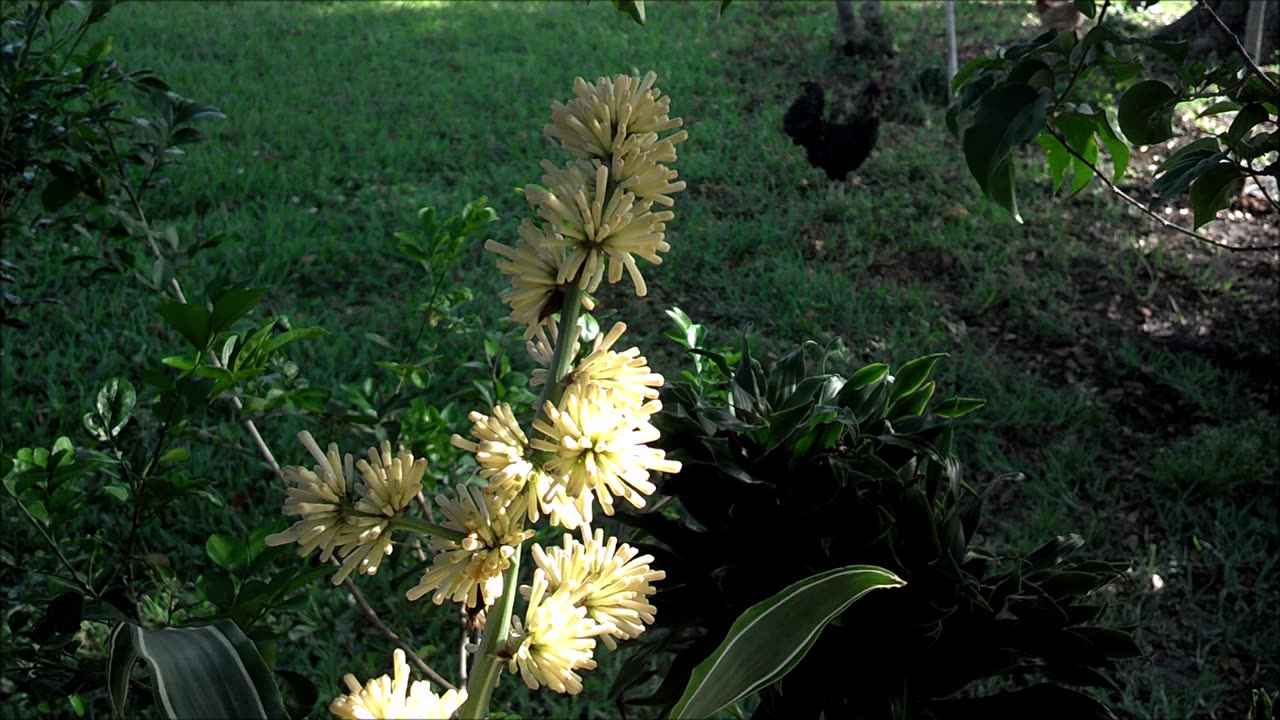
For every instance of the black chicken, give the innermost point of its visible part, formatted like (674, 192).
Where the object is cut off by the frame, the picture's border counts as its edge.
(837, 148)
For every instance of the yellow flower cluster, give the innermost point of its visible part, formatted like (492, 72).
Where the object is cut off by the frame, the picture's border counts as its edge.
(344, 516)
(393, 697)
(555, 640)
(597, 210)
(612, 583)
(597, 216)
(469, 570)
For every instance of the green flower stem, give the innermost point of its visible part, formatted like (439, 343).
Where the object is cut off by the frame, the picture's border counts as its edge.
(409, 522)
(566, 349)
(497, 627)
(497, 631)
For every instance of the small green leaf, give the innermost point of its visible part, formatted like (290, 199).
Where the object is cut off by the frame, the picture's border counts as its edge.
(1248, 117)
(634, 8)
(771, 637)
(190, 320)
(37, 510)
(1002, 187)
(913, 374)
(1079, 130)
(1212, 190)
(1222, 106)
(872, 373)
(913, 403)
(1086, 8)
(99, 51)
(724, 5)
(116, 401)
(1059, 158)
(185, 363)
(969, 69)
(175, 456)
(228, 552)
(1146, 112)
(957, 406)
(1116, 147)
(232, 306)
(218, 588)
(117, 492)
(292, 336)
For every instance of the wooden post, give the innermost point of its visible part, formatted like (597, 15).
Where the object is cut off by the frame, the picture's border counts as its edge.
(953, 58)
(1254, 23)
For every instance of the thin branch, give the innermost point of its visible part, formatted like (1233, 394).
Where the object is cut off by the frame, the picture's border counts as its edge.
(1261, 188)
(1248, 60)
(372, 616)
(1084, 58)
(1151, 213)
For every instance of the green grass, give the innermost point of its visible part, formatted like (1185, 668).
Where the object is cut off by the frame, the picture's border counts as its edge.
(344, 119)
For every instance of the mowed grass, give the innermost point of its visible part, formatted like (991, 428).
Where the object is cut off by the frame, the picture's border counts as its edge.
(344, 118)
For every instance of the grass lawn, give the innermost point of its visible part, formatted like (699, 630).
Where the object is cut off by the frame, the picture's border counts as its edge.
(1130, 375)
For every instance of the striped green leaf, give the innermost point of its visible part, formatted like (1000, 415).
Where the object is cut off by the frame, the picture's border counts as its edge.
(210, 671)
(773, 636)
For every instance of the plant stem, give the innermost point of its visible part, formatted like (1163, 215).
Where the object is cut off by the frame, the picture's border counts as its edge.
(408, 522)
(1244, 54)
(1150, 213)
(497, 630)
(409, 650)
(53, 546)
(566, 349)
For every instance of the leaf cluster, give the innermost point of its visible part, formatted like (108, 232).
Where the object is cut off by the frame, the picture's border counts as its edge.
(797, 471)
(85, 137)
(1037, 91)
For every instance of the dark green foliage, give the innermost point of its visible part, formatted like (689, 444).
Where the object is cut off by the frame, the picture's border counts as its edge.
(72, 135)
(1033, 90)
(801, 471)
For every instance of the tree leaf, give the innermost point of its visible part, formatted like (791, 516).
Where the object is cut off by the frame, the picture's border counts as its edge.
(724, 5)
(771, 637)
(1002, 188)
(1057, 155)
(1079, 130)
(1116, 147)
(1211, 191)
(190, 320)
(1086, 8)
(227, 552)
(1146, 112)
(232, 306)
(1009, 114)
(209, 671)
(1249, 116)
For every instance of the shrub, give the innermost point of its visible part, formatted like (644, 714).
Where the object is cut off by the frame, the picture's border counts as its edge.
(787, 473)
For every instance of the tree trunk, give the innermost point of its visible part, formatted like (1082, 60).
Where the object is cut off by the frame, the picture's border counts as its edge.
(1206, 37)
(868, 34)
(850, 28)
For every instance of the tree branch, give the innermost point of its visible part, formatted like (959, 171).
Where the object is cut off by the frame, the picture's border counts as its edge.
(372, 616)
(1151, 213)
(1248, 60)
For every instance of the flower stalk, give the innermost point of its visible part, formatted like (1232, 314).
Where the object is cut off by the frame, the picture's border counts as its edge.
(415, 524)
(497, 632)
(588, 443)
